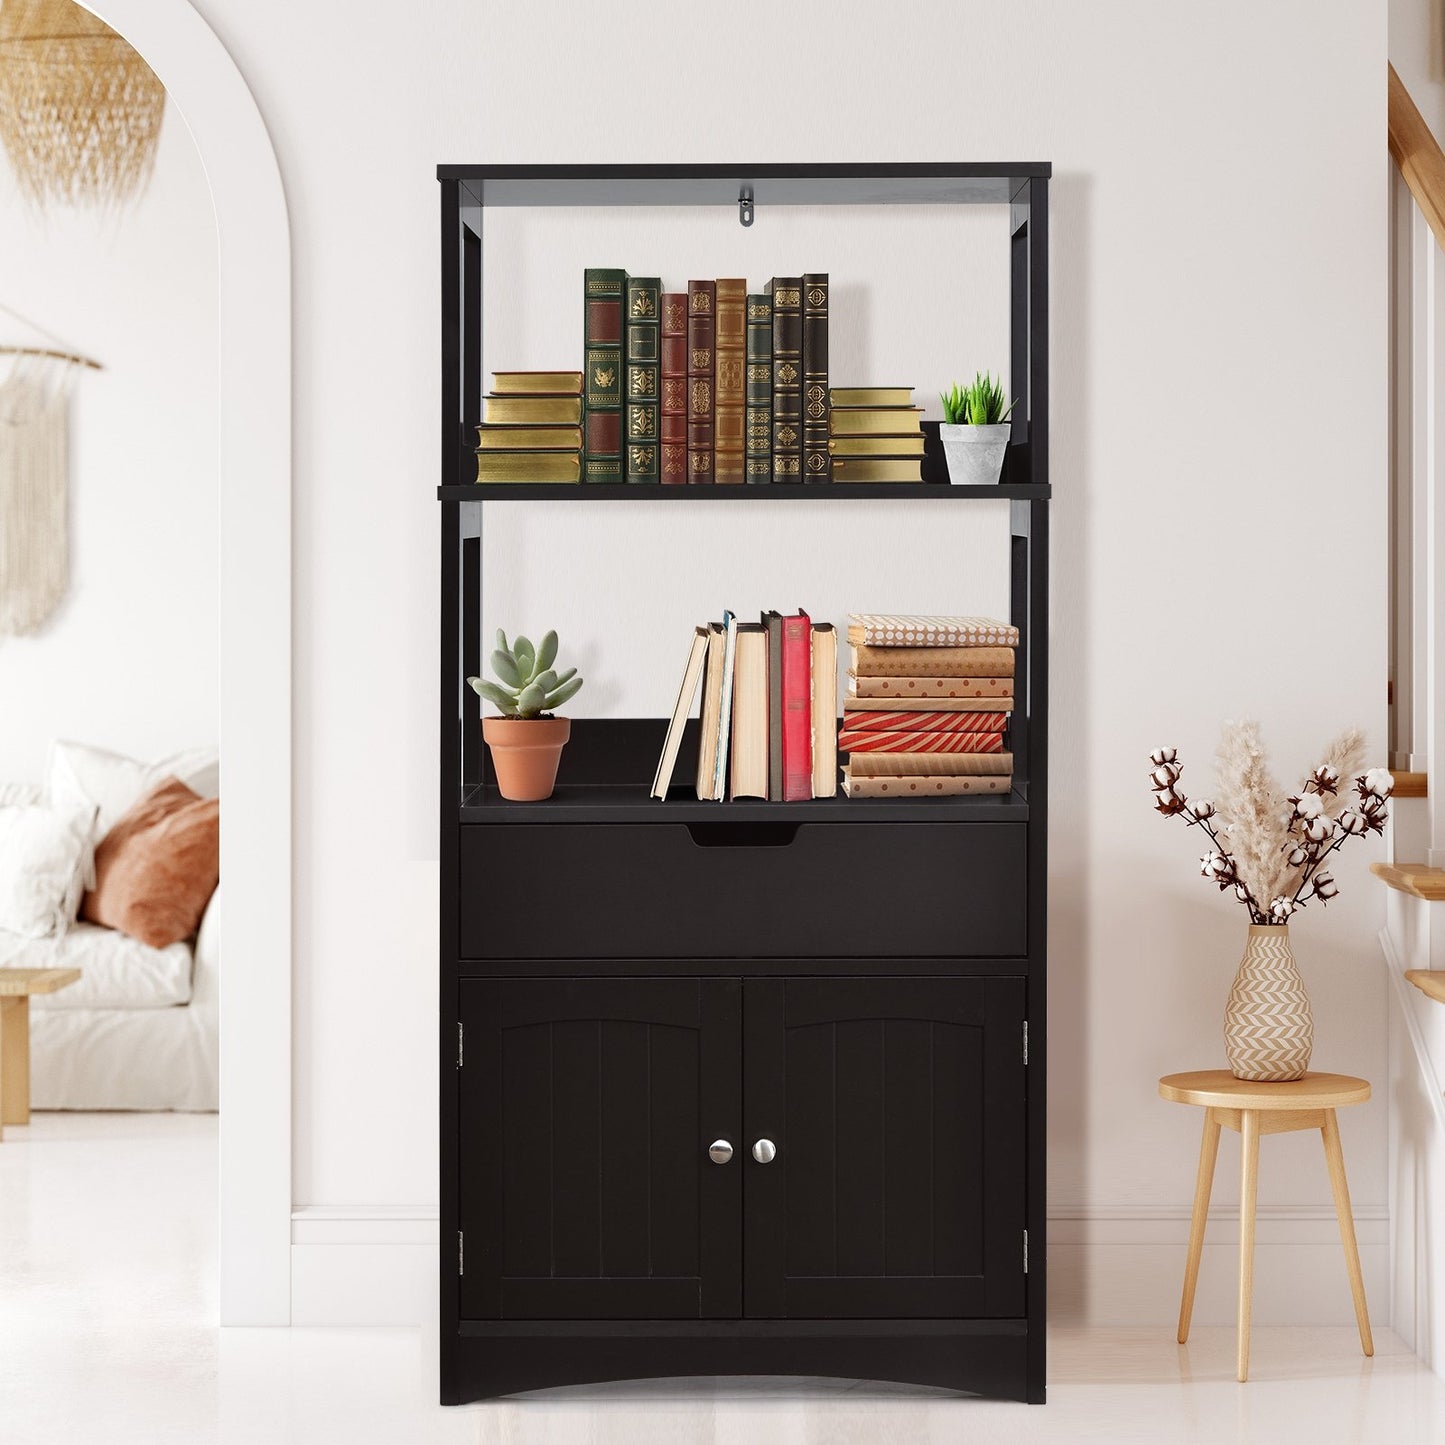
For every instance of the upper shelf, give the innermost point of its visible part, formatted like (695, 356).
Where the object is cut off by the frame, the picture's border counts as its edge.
(818, 492)
(768, 185)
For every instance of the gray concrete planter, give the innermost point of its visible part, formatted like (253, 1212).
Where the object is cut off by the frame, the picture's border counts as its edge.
(975, 453)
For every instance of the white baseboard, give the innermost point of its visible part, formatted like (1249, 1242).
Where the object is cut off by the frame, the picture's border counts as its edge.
(1124, 1266)
(363, 1266)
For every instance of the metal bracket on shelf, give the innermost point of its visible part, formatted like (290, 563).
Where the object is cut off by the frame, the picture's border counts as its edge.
(745, 206)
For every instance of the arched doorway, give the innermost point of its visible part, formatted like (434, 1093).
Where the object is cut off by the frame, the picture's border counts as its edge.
(254, 577)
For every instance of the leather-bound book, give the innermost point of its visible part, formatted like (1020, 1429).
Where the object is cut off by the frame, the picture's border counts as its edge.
(787, 295)
(797, 708)
(643, 361)
(701, 330)
(758, 392)
(673, 451)
(602, 374)
(773, 624)
(730, 342)
(817, 463)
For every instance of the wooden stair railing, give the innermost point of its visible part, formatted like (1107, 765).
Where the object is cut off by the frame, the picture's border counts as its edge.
(1418, 155)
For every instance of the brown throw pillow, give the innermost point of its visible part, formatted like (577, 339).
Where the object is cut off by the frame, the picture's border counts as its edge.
(156, 869)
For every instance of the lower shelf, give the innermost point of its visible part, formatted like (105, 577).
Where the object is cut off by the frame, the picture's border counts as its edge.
(630, 803)
(1000, 1359)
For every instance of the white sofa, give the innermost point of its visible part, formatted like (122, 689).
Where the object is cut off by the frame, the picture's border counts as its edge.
(140, 1030)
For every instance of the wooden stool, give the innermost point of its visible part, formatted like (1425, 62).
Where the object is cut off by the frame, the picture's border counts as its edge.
(1254, 1109)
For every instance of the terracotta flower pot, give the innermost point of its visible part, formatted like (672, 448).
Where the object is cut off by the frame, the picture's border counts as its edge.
(1268, 1030)
(525, 754)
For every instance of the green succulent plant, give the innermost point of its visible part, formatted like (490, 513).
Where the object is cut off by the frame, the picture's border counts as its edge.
(979, 404)
(528, 685)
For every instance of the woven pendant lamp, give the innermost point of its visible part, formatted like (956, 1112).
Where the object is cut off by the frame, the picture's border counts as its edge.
(80, 111)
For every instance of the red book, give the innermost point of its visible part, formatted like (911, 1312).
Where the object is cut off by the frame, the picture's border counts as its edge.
(673, 425)
(797, 708)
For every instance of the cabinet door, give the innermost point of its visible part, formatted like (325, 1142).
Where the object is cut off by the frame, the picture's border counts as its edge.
(897, 1110)
(587, 1109)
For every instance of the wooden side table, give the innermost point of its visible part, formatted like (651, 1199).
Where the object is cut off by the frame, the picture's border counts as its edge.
(1253, 1109)
(16, 986)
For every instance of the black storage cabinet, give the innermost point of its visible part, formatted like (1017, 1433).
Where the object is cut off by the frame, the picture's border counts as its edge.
(799, 1136)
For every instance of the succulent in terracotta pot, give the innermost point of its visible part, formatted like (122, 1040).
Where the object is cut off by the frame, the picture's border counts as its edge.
(527, 740)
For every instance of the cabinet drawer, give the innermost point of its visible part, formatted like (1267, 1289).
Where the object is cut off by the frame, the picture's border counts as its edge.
(740, 890)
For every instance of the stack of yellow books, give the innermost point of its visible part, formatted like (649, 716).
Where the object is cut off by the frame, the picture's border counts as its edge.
(531, 428)
(877, 434)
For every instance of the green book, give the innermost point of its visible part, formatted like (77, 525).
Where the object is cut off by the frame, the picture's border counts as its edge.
(642, 344)
(758, 451)
(602, 374)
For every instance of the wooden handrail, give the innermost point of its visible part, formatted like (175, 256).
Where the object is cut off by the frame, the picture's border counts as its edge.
(1418, 155)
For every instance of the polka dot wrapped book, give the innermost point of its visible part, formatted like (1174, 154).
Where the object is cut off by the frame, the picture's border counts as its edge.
(913, 787)
(874, 629)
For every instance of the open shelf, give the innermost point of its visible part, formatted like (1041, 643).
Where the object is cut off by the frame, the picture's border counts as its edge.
(819, 492)
(630, 803)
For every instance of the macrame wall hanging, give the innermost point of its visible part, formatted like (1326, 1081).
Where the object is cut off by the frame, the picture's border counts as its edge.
(80, 111)
(34, 480)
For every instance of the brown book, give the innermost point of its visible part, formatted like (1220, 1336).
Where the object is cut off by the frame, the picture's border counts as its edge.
(933, 661)
(673, 427)
(842, 447)
(529, 438)
(532, 410)
(701, 331)
(730, 342)
(749, 763)
(537, 383)
(927, 688)
(877, 469)
(825, 710)
(872, 396)
(916, 787)
(877, 421)
(931, 765)
(529, 467)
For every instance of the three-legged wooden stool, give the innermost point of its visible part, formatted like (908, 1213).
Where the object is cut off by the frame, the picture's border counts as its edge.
(1254, 1109)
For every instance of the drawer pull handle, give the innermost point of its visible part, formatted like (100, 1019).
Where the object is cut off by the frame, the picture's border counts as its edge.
(743, 835)
(765, 1151)
(719, 1151)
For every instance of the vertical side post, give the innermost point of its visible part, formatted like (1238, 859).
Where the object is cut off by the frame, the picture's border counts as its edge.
(449, 789)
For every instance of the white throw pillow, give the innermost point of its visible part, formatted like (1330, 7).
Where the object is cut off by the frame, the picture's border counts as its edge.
(45, 863)
(82, 778)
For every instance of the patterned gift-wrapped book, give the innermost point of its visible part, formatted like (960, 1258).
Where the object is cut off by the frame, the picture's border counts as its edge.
(941, 765)
(927, 722)
(873, 629)
(899, 787)
(853, 741)
(933, 661)
(928, 689)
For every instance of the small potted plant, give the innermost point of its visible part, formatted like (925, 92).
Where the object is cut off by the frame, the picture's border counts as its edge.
(975, 431)
(526, 741)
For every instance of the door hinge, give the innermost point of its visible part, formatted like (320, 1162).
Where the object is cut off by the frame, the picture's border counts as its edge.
(1026, 1043)
(1026, 1251)
(461, 1252)
(461, 1044)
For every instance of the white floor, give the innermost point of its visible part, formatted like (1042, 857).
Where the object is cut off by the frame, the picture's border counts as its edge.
(107, 1297)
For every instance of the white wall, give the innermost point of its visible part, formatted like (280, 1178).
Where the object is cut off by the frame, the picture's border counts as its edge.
(129, 660)
(1218, 276)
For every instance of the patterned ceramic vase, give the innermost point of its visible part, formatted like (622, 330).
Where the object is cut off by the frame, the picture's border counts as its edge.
(1268, 1031)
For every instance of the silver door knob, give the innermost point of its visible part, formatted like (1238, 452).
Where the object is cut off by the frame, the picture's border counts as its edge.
(765, 1151)
(719, 1151)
